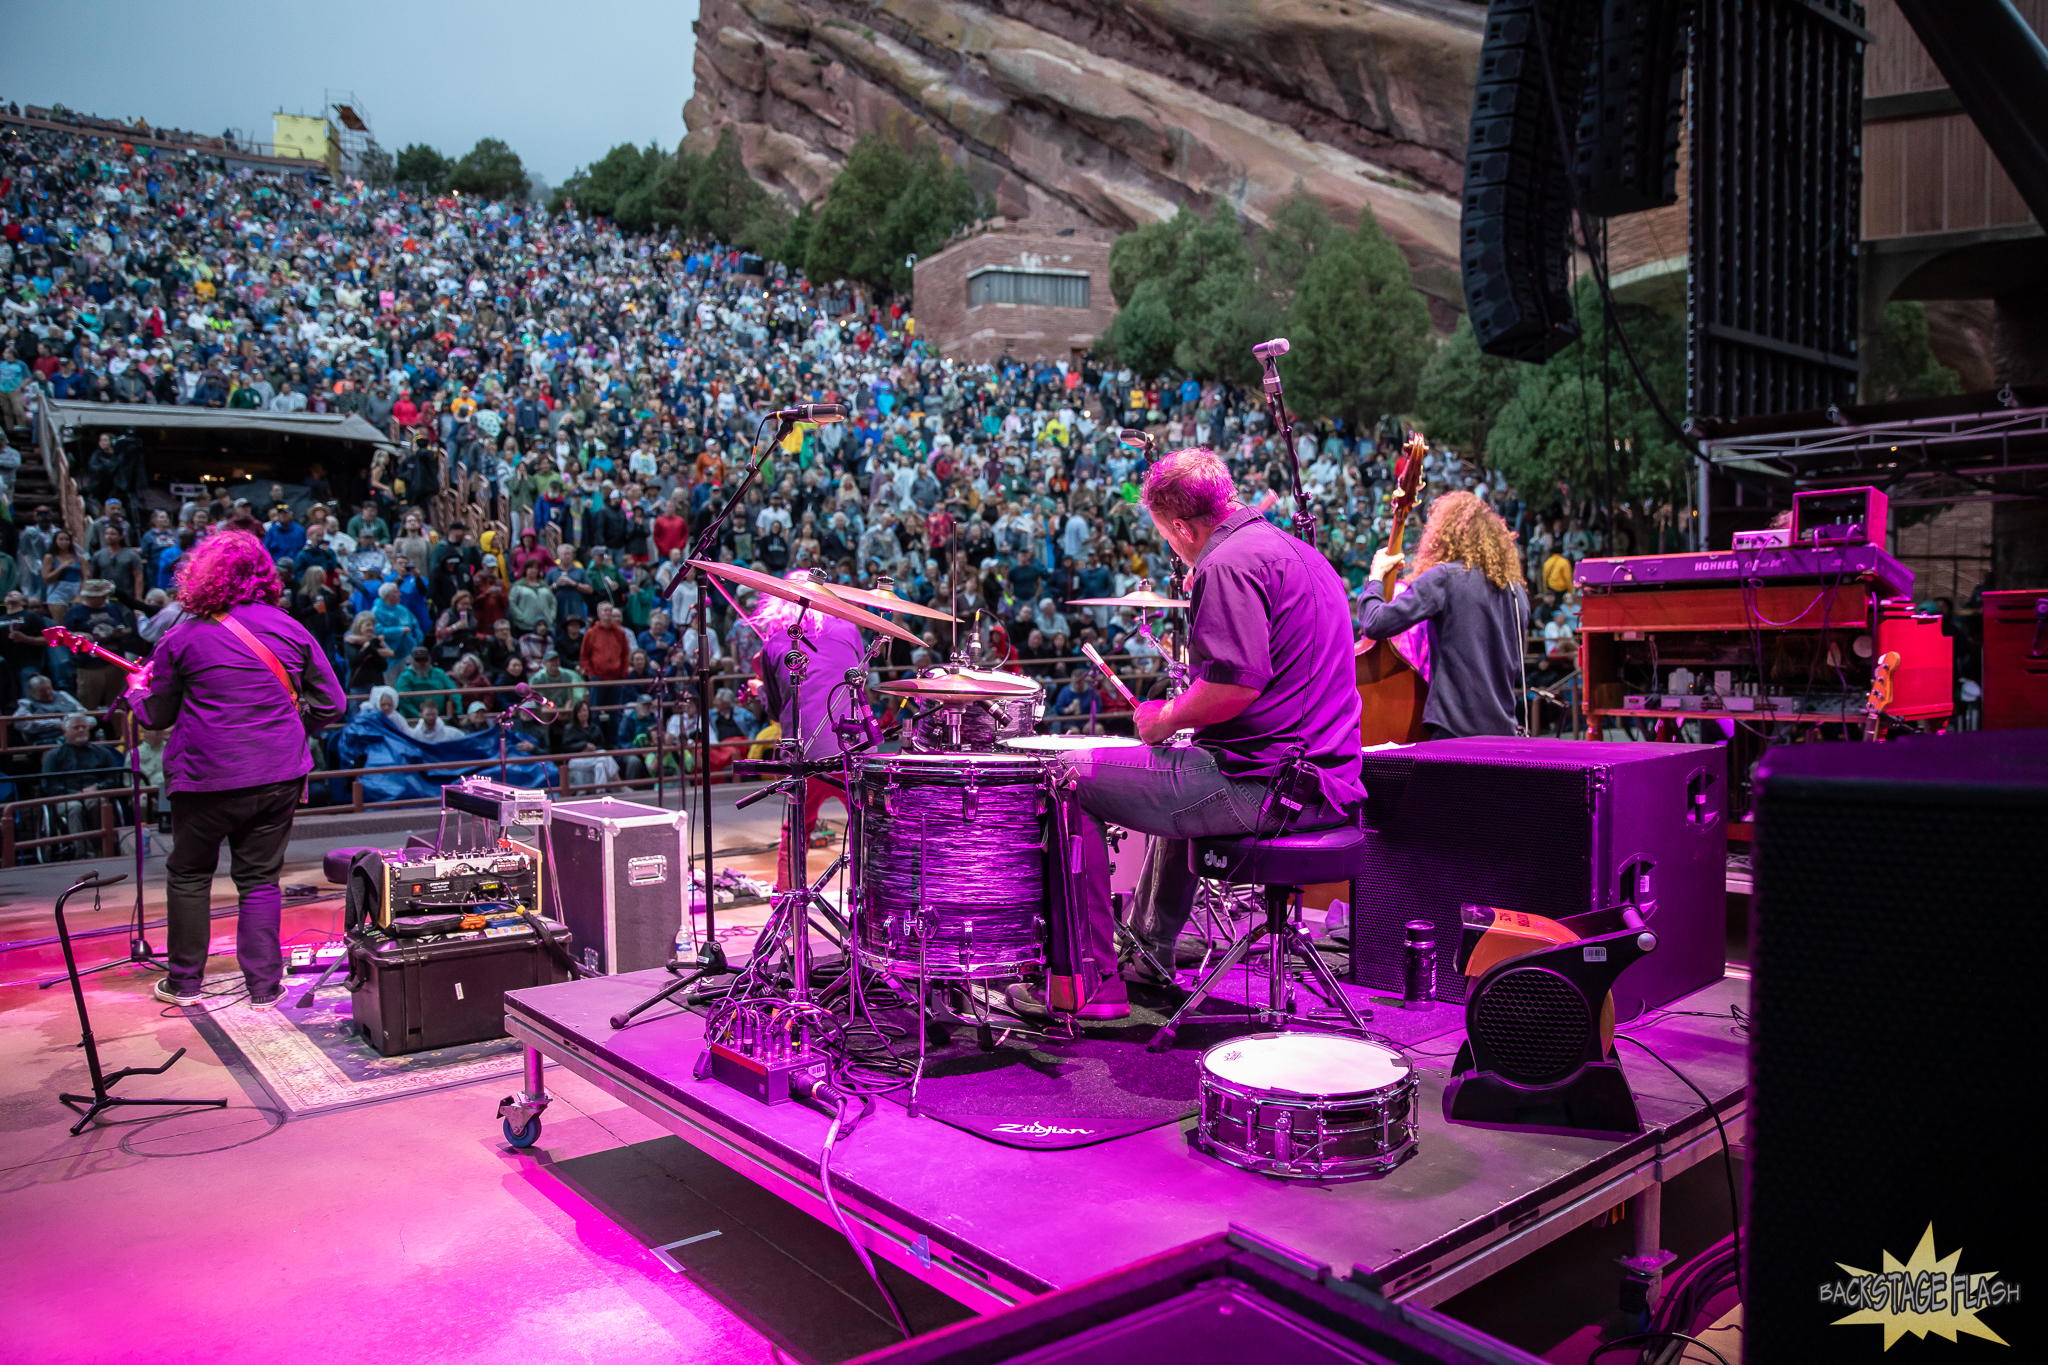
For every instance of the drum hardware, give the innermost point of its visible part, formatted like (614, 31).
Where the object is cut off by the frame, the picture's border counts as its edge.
(1307, 1106)
(1282, 935)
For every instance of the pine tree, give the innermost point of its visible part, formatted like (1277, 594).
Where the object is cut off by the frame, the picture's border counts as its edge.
(1901, 363)
(1463, 390)
(1359, 330)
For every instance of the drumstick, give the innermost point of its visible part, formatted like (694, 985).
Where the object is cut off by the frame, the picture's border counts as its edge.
(1114, 681)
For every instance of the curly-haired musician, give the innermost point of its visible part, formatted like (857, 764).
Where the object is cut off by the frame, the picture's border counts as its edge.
(228, 681)
(1467, 587)
(1269, 650)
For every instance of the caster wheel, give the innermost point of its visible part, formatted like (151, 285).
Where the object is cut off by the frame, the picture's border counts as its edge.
(521, 1137)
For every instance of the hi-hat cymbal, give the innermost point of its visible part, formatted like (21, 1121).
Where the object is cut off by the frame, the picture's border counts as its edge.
(813, 595)
(1142, 598)
(885, 599)
(969, 684)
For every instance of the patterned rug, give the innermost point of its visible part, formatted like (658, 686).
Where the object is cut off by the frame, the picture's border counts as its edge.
(313, 1059)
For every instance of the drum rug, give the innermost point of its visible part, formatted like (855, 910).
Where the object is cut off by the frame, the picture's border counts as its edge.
(1048, 1093)
(313, 1059)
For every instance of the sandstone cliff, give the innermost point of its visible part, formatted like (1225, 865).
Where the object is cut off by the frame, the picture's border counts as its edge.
(1115, 112)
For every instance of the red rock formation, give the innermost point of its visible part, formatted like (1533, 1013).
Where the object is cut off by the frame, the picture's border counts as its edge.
(1115, 112)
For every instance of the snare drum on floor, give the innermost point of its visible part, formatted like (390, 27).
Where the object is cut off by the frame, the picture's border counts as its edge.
(952, 876)
(1307, 1106)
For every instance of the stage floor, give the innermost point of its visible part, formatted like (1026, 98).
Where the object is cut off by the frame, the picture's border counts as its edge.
(991, 1225)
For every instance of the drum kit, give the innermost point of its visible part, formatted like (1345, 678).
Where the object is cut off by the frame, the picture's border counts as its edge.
(948, 839)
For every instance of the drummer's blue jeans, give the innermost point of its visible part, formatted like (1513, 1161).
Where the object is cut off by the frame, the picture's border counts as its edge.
(1172, 793)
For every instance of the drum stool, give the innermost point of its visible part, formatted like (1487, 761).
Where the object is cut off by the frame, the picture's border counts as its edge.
(1283, 864)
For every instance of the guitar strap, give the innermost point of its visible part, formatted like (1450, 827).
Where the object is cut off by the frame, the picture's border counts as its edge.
(259, 649)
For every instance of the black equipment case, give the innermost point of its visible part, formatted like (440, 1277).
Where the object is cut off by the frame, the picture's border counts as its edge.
(409, 995)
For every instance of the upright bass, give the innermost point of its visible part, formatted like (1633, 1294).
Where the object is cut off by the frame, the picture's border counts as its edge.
(1390, 691)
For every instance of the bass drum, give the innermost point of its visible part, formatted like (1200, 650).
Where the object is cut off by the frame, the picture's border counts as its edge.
(952, 870)
(1307, 1106)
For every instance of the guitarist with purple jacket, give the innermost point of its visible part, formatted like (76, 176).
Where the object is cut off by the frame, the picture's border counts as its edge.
(238, 683)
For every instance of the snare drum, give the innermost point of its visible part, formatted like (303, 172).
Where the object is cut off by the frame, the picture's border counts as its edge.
(952, 872)
(1307, 1106)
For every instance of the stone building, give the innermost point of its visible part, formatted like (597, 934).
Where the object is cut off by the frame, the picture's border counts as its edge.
(1027, 290)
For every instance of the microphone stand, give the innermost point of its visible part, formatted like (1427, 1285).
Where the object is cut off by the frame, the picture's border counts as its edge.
(1276, 408)
(699, 549)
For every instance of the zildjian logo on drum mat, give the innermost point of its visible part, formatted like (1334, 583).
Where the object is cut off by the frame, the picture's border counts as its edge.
(1923, 1296)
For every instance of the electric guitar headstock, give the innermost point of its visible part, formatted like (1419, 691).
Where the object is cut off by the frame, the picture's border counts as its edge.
(79, 644)
(1880, 694)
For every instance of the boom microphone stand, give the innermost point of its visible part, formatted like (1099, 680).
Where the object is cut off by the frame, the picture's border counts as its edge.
(139, 951)
(700, 549)
(1269, 353)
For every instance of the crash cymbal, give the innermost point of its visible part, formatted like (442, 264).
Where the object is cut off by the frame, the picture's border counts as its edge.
(1143, 598)
(969, 684)
(813, 595)
(882, 597)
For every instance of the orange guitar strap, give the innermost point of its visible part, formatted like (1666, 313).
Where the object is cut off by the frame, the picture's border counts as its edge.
(260, 650)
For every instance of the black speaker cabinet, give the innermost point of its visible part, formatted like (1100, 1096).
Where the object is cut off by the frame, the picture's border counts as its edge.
(1901, 894)
(1550, 827)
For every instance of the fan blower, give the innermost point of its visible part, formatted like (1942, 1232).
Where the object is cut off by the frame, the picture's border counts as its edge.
(1538, 1054)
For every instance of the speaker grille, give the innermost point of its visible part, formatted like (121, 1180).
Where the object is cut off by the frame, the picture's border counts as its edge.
(1446, 834)
(1534, 1024)
(1898, 938)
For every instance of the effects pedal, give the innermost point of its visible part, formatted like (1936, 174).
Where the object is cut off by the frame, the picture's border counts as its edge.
(313, 958)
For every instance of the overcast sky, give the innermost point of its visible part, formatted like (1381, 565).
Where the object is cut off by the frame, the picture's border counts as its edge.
(562, 83)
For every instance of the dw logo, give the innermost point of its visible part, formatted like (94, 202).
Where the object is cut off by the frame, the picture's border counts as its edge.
(1211, 858)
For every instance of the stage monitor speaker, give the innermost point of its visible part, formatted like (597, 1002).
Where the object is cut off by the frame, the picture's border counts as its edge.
(1897, 943)
(1230, 1298)
(1549, 827)
(1515, 230)
(622, 871)
(1634, 108)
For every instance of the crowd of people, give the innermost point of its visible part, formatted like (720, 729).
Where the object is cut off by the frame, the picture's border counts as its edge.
(592, 400)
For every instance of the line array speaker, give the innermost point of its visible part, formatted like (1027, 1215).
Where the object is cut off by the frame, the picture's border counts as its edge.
(1634, 108)
(1515, 231)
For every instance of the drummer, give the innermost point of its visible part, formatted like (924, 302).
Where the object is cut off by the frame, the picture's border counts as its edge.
(832, 646)
(1270, 655)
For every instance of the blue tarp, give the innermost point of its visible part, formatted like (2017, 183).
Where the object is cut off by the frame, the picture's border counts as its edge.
(372, 739)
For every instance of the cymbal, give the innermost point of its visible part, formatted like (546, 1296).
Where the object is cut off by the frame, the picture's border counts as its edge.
(813, 595)
(883, 599)
(1142, 598)
(969, 684)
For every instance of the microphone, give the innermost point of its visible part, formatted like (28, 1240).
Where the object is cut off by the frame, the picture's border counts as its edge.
(811, 412)
(1272, 350)
(528, 696)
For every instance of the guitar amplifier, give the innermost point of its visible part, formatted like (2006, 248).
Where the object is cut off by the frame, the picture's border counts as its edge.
(1549, 827)
(2016, 659)
(421, 882)
(622, 872)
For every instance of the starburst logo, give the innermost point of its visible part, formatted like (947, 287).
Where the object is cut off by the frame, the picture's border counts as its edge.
(1925, 1296)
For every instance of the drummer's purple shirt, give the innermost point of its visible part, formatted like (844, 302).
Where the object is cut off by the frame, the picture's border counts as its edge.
(1269, 612)
(832, 646)
(233, 724)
